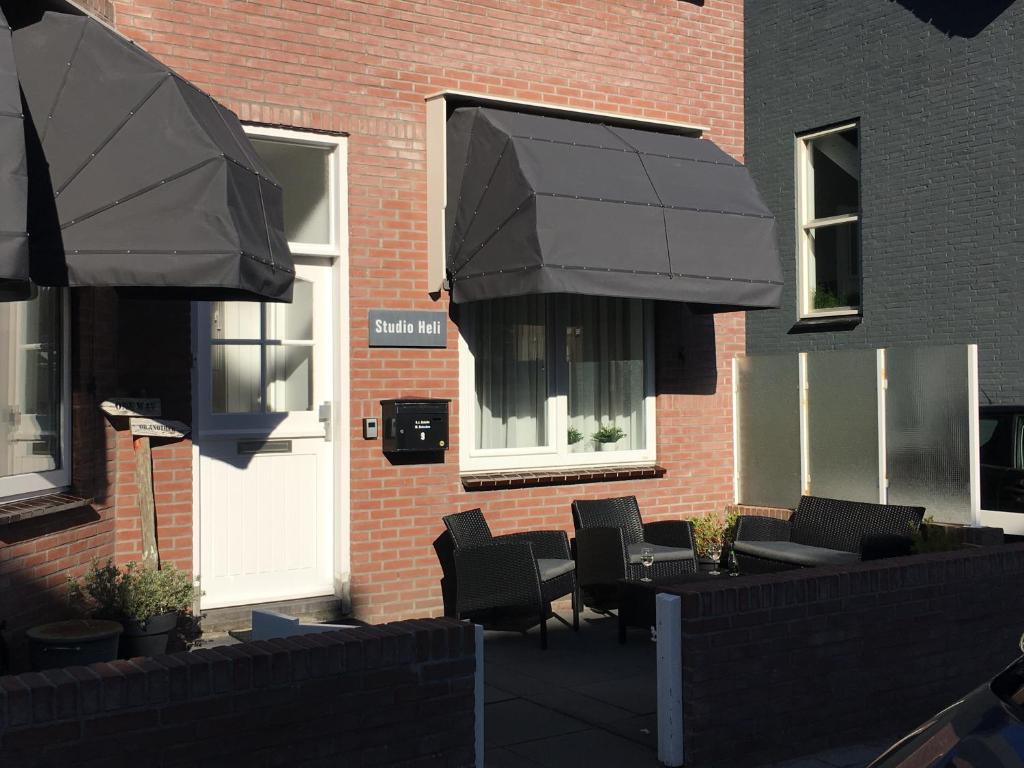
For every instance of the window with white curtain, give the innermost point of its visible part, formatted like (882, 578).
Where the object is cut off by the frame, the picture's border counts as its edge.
(34, 393)
(551, 381)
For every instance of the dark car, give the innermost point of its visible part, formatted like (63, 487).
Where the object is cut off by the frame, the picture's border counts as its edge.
(982, 730)
(1001, 432)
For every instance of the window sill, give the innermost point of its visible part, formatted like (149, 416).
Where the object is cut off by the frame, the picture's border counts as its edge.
(498, 481)
(828, 323)
(39, 506)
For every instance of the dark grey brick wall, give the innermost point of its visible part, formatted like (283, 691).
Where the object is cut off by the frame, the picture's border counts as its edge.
(937, 87)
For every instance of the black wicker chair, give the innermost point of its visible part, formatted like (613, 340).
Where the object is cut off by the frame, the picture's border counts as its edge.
(609, 535)
(825, 532)
(523, 569)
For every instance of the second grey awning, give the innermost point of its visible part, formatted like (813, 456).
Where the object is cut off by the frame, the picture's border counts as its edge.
(549, 205)
(137, 178)
(13, 181)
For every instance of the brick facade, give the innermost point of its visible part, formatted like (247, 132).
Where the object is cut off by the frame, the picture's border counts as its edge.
(399, 694)
(366, 68)
(936, 90)
(786, 664)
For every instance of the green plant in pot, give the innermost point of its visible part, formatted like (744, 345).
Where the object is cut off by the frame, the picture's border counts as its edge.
(607, 436)
(713, 535)
(574, 436)
(147, 602)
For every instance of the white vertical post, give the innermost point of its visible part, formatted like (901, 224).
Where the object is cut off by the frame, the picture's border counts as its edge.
(736, 430)
(478, 696)
(670, 680)
(974, 437)
(882, 377)
(805, 437)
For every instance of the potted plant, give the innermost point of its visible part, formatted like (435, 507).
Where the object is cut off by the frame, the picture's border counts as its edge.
(145, 601)
(607, 436)
(713, 535)
(574, 436)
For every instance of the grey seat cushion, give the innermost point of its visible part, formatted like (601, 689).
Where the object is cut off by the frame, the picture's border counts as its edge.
(661, 554)
(798, 554)
(551, 568)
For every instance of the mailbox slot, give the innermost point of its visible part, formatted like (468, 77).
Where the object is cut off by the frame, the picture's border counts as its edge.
(414, 425)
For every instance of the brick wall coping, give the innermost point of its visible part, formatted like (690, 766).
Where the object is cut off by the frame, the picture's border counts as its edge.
(725, 597)
(184, 678)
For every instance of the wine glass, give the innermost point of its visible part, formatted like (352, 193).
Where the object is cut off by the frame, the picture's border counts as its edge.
(647, 560)
(715, 553)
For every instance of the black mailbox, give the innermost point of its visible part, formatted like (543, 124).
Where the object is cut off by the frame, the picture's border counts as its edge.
(414, 425)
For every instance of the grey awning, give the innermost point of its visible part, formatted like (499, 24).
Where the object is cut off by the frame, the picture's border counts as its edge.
(549, 205)
(13, 182)
(151, 183)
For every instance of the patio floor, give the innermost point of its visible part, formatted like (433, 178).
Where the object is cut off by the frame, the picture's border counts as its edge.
(587, 701)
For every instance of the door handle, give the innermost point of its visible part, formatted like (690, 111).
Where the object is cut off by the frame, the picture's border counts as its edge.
(325, 415)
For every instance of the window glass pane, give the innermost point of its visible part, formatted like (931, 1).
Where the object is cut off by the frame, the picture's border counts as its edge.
(234, 320)
(303, 172)
(292, 321)
(605, 353)
(834, 266)
(289, 379)
(834, 174)
(30, 384)
(508, 338)
(235, 370)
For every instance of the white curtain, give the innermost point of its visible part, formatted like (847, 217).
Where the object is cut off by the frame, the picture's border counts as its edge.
(508, 338)
(605, 353)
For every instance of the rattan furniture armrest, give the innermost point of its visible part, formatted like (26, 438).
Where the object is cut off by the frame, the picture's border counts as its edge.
(670, 533)
(757, 528)
(547, 544)
(497, 575)
(876, 546)
(600, 555)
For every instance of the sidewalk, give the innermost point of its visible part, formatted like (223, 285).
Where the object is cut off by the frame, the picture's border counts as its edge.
(587, 701)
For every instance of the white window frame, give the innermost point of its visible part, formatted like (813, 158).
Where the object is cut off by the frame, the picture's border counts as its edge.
(556, 454)
(38, 483)
(805, 224)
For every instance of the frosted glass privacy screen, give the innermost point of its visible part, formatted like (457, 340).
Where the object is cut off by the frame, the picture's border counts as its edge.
(927, 430)
(768, 421)
(842, 424)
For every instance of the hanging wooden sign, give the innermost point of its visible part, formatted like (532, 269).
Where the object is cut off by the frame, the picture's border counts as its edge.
(131, 406)
(167, 428)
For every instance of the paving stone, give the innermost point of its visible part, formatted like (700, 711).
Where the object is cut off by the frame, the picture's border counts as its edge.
(587, 748)
(638, 694)
(517, 721)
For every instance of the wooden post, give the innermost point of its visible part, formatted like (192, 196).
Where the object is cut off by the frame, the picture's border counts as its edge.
(147, 504)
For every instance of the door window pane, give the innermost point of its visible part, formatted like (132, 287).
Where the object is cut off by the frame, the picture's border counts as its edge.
(31, 368)
(304, 173)
(236, 378)
(604, 347)
(508, 338)
(294, 321)
(289, 379)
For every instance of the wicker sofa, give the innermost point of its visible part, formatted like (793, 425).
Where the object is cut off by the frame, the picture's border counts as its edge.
(825, 532)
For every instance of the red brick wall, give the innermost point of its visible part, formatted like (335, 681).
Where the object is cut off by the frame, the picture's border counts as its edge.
(787, 664)
(365, 68)
(399, 694)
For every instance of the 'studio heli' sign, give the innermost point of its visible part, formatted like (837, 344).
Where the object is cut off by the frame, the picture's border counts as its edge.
(407, 328)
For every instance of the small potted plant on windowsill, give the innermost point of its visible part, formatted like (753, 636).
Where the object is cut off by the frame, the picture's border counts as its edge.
(147, 602)
(607, 436)
(575, 436)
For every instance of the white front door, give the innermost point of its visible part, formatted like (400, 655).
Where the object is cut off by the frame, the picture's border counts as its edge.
(266, 460)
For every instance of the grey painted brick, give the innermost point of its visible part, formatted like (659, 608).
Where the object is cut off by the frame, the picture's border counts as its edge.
(939, 109)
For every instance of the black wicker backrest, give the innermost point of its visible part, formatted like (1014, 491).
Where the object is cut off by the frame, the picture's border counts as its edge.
(622, 512)
(837, 524)
(468, 529)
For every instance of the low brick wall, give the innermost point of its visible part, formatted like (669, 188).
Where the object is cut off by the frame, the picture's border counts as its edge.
(395, 694)
(785, 664)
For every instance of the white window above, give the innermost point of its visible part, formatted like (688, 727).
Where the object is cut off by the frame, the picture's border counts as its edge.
(828, 222)
(555, 381)
(34, 395)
